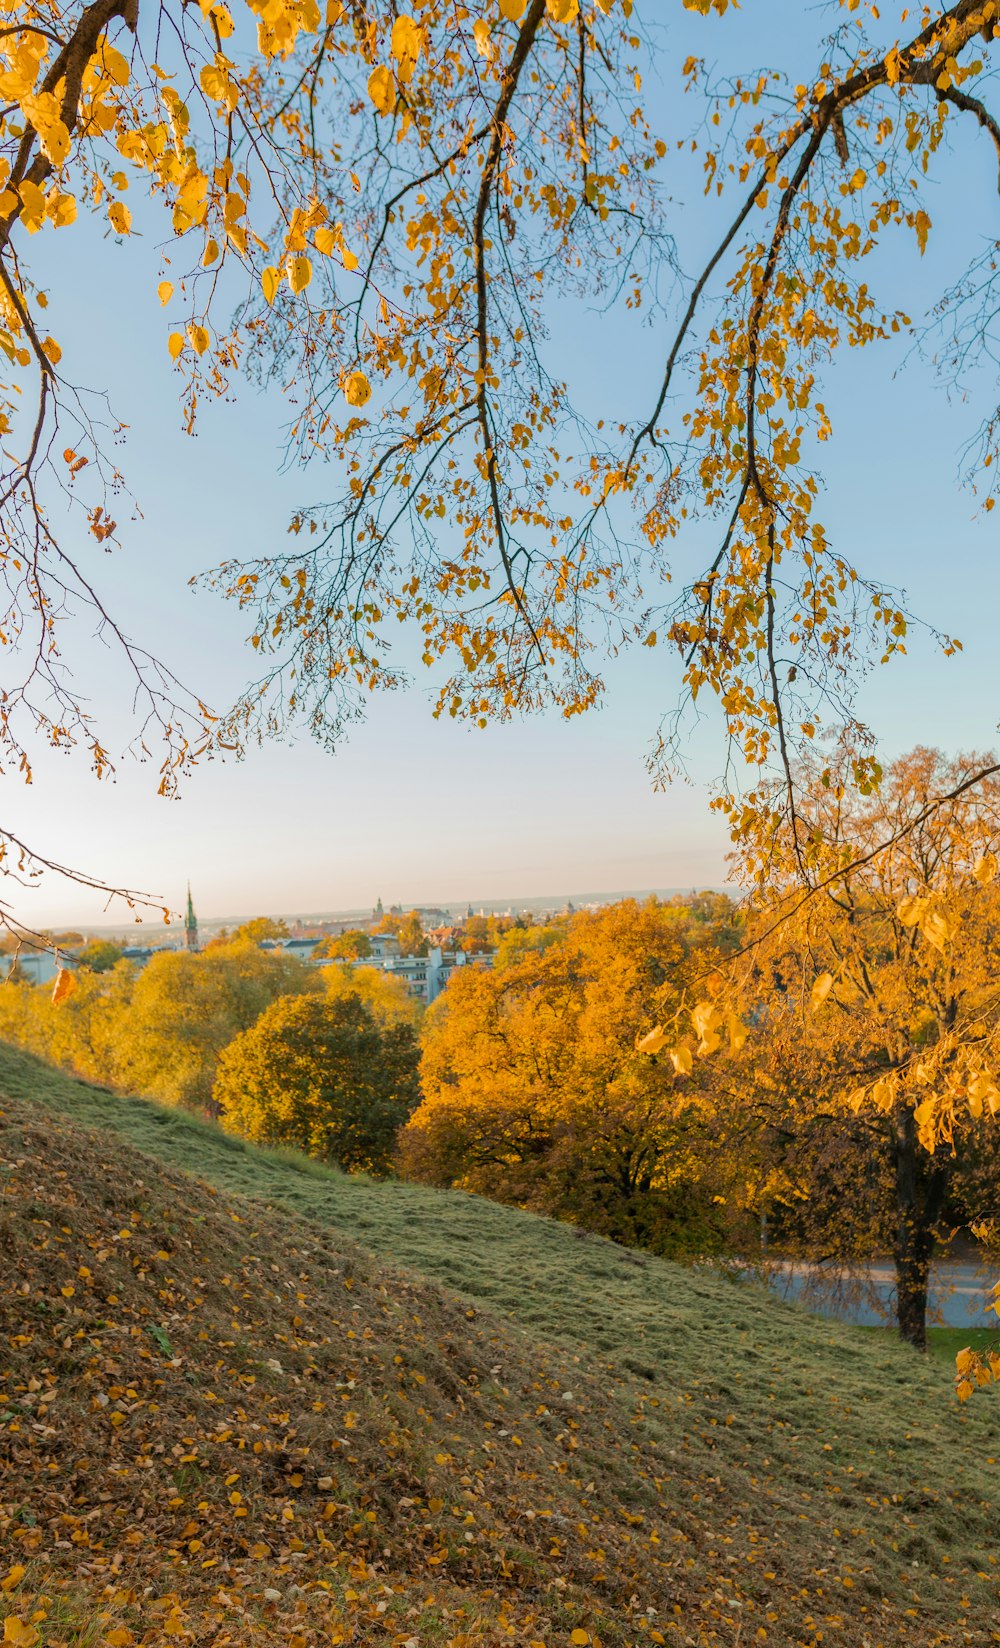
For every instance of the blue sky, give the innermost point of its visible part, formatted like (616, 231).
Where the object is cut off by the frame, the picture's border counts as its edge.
(420, 810)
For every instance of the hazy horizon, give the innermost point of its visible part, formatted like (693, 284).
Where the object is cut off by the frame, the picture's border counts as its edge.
(517, 902)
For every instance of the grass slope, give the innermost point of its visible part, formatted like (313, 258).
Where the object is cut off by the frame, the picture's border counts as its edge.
(566, 1437)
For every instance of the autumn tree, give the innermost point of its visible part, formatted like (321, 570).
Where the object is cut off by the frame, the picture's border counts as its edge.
(347, 946)
(497, 150)
(410, 933)
(99, 955)
(85, 1033)
(519, 941)
(474, 937)
(259, 931)
(385, 996)
(185, 1009)
(874, 1015)
(535, 1092)
(321, 1075)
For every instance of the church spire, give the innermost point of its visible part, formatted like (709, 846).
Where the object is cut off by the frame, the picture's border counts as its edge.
(190, 926)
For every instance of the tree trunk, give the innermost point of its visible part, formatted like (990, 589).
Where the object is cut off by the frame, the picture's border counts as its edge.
(920, 1187)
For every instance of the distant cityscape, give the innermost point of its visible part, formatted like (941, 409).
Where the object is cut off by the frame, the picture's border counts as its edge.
(420, 944)
(539, 908)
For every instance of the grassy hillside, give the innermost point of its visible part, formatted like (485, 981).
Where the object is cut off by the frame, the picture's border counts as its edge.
(565, 1437)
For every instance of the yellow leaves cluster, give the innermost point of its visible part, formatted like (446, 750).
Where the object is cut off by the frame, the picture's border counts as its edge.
(925, 913)
(281, 22)
(406, 43)
(974, 1369)
(951, 1088)
(35, 206)
(710, 1022)
(983, 1094)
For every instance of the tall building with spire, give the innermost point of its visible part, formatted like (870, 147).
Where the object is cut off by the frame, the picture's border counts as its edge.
(190, 926)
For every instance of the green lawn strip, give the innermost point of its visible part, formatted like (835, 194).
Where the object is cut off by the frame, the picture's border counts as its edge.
(943, 1344)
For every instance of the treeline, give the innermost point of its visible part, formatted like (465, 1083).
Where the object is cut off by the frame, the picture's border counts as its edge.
(523, 1082)
(196, 1031)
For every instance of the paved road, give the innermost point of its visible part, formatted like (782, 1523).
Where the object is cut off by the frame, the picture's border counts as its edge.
(959, 1293)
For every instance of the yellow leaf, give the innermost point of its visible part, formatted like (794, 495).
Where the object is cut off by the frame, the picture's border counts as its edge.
(382, 89)
(119, 217)
(820, 990)
(165, 291)
(62, 210)
(937, 929)
(405, 43)
(652, 1041)
(64, 986)
(579, 1636)
(210, 254)
(33, 205)
(270, 280)
(682, 1059)
(481, 35)
(512, 9)
(324, 241)
(357, 389)
(882, 1095)
(52, 350)
(563, 11)
(120, 1637)
(706, 1019)
(963, 1361)
(909, 910)
(738, 1032)
(12, 1580)
(200, 339)
(114, 64)
(300, 273)
(985, 869)
(175, 343)
(16, 1632)
(54, 140)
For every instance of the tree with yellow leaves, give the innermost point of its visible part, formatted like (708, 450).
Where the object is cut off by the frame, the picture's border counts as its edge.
(873, 1007)
(375, 209)
(384, 995)
(324, 1076)
(534, 1091)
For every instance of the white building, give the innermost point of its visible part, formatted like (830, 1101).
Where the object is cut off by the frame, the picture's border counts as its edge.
(40, 966)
